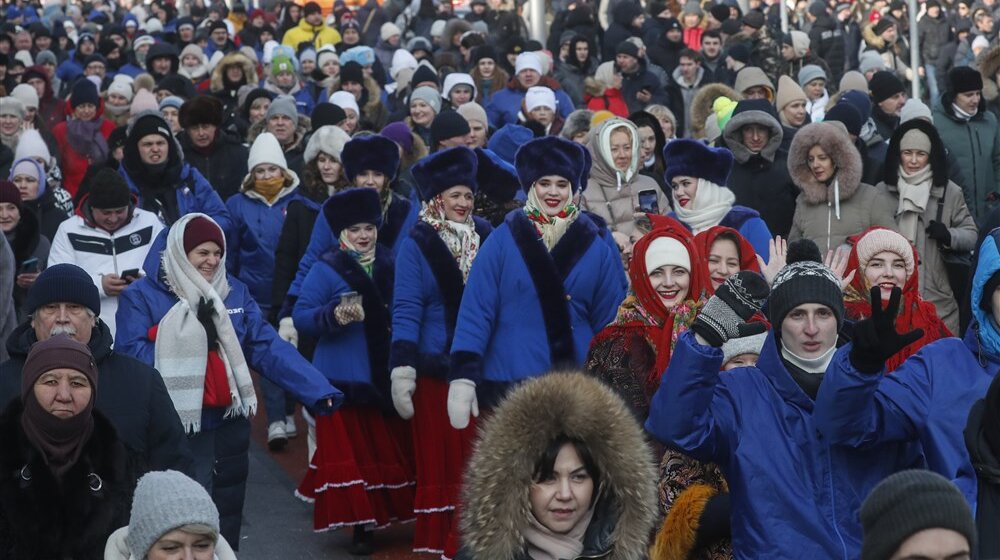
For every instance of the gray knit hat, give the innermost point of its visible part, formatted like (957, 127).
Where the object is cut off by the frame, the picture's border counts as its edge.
(164, 501)
(745, 345)
(909, 502)
(283, 105)
(810, 72)
(804, 282)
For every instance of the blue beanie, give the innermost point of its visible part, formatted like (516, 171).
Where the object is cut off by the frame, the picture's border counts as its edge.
(64, 283)
(691, 158)
(508, 139)
(860, 101)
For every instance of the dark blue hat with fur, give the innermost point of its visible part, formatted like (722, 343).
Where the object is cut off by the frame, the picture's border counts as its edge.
(691, 158)
(373, 152)
(351, 207)
(551, 155)
(497, 179)
(443, 170)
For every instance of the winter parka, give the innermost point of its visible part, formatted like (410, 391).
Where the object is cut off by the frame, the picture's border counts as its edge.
(224, 164)
(976, 144)
(506, 103)
(793, 494)
(548, 305)
(826, 41)
(319, 35)
(861, 206)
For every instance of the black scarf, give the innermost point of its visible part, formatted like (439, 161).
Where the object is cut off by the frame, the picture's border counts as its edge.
(60, 440)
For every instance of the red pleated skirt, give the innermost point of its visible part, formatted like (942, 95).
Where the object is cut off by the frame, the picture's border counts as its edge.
(361, 472)
(441, 453)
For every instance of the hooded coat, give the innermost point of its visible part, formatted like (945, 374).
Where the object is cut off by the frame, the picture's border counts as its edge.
(228, 92)
(611, 194)
(861, 206)
(52, 108)
(621, 28)
(976, 144)
(946, 198)
(927, 399)
(796, 499)
(760, 180)
(496, 507)
(701, 106)
(826, 41)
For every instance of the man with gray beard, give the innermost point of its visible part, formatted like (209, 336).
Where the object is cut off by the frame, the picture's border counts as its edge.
(64, 300)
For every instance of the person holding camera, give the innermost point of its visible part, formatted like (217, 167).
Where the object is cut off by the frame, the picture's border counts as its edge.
(108, 237)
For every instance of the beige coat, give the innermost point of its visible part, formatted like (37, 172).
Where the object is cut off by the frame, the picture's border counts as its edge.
(933, 277)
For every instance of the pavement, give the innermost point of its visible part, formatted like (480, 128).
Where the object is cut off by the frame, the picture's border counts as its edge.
(277, 525)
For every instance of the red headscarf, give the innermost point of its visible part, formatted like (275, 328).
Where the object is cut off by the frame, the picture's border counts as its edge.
(914, 312)
(649, 300)
(748, 256)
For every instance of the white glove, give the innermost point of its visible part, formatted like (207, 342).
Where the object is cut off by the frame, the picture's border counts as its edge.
(287, 332)
(462, 403)
(404, 384)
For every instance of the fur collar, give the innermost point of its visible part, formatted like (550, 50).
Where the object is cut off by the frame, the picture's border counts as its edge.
(376, 296)
(838, 146)
(495, 495)
(734, 141)
(701, 105)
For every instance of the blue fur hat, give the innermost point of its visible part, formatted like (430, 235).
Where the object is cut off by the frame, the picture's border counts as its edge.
(370, 152)
(508, 139)
(443, 170)
(691, 158)
(550, 155)
(352, 206)
(497, 178)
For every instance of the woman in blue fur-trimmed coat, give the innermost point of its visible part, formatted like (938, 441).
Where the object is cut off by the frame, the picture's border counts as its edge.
(544, 283)
(696, 176)
(360, 474)
(431, 270)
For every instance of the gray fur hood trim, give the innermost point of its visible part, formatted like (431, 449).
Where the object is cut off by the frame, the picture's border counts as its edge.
(837, 144)
(495, 504)
(734, 140)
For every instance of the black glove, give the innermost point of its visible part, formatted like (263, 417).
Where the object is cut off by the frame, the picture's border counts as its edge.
(205, 313)
(714, 523)
(875, 338)
(726, 314)
(939, 232)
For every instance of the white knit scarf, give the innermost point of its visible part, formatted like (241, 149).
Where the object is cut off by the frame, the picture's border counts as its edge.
(709, 206)
(181, 352)
(815, 365)
(914, 192)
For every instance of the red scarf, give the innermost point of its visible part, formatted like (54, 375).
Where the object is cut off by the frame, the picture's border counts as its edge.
(914, 312)
(747, 255)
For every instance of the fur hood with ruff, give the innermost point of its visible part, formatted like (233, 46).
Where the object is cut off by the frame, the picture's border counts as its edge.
(989, 64)
(846, 160)
(701, 105)
(374, 94)
(495, 504)
(249, 70)
(734, 140)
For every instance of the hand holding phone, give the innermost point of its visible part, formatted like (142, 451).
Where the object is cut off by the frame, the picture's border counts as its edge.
(130, 275)
(29, 266)
(648, 202)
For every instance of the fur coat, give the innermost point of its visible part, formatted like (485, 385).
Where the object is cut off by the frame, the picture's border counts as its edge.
(495, 505)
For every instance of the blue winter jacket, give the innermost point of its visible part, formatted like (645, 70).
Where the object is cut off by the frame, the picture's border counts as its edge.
(426, 299)
(254, 240)
(526, 310)
(749, 224)
(794, 495)
(355, 357)
(400, 218)
(506, 104)
(70, 69)
(927, 398)
(304, 102)
(146, 301)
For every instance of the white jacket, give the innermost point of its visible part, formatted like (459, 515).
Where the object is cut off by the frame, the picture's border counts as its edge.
(99, 252)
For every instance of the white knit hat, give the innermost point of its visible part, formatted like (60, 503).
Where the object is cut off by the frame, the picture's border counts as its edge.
(325, 52)
(539, 96)
(345, 100)
(27, 95)
(31, 145)
(527, 61)
(122, 88)
(455, 79)
(437, 28)
(915, 109)
(389, 29)
(402, 59)
(328, 139)
(664, 251)
(266, 149)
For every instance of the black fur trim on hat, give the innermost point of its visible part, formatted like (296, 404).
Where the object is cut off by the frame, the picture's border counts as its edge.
(370, 152)
(691, 158)
(352, 206)
(963, 79)
(443, 170)
(496, 178)
(203, 109)
(550, 155)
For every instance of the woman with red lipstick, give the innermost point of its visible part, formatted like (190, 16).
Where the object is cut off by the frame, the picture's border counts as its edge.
(433, 265)
(886, 259)
(726, 252)
(697, 176)
(668, 279)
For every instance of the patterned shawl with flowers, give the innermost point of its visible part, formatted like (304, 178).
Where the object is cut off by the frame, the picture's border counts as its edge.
(461, 239)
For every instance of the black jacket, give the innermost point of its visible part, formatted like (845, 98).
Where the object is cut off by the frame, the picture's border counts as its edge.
(934, 33)
(42, 518)
(226, 165)
(621, 28)
(641, 79)
(767, 188)
(979, 433)
(666, 54)
(826, 41)
(48, 212)
(132, 397)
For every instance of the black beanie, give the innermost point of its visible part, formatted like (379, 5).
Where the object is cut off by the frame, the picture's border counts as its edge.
(740, 53)
(909, 502)
(326, 114)
(84, 91)
(804, 282)
(423, 74)
(628, 48)
(117, 138)
(108, 190)
(846, 114)
(883, 85)
(719, 12)
(64, 283)
(150, 123)
(882, 25)
(352, 72)
(448, 124)
(963, 79)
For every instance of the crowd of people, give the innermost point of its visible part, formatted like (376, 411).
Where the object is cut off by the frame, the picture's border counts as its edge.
(672, 283)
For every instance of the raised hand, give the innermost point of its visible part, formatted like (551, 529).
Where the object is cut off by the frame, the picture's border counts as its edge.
(836, 260)
(875, 338)
(778, 251)
(726, 314)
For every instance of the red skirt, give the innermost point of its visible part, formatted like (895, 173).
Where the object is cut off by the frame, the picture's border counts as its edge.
(441, 453)
(360, 473)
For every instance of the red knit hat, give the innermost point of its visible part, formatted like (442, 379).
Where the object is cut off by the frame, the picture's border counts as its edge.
(9, 193)
(201, 230)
